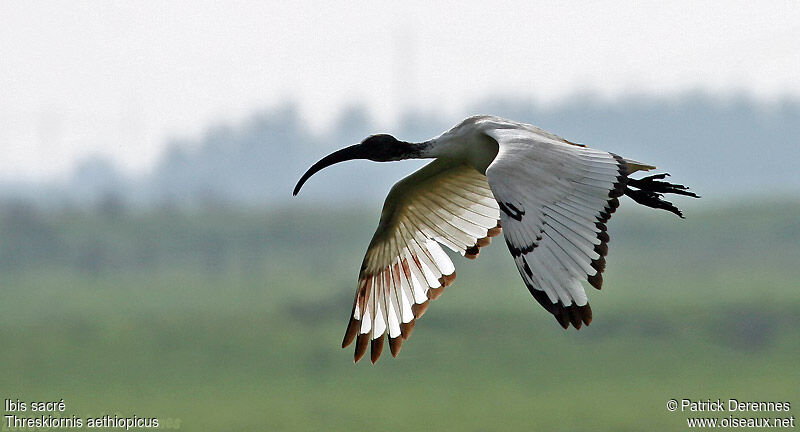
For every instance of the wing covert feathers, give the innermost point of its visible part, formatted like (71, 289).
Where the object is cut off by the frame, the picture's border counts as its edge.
(405, 267)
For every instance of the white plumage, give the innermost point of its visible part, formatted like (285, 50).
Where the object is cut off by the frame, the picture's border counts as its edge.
(551, 197)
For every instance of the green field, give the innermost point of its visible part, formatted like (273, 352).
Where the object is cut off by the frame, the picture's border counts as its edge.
(230, 320)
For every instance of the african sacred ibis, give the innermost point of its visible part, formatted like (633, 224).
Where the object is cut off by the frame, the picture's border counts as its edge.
(552, 198)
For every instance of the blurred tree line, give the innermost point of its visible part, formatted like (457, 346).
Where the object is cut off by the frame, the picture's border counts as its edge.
(724, 147)
(112, 237)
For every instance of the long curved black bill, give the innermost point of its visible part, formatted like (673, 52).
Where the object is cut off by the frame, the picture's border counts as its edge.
(345, 154)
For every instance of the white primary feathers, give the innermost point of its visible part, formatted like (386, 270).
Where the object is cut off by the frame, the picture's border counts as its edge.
(551, 197)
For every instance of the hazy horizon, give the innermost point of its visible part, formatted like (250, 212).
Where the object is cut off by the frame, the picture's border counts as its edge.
(725, 149)
(122, 81)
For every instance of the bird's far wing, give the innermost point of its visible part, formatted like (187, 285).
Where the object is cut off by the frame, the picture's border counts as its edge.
(404, 268)
(555, 199)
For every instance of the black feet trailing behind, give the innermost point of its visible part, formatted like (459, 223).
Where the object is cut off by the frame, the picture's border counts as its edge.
(649, 191)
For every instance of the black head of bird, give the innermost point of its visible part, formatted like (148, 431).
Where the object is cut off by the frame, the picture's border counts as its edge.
(377, 148)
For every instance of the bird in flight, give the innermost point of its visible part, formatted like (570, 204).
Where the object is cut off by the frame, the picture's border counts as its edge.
(551, 199)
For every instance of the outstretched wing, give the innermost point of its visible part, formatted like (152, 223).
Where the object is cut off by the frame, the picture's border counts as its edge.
(555, 198)
(444, 202)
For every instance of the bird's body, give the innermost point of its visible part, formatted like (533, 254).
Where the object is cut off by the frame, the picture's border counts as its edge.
(550, 197)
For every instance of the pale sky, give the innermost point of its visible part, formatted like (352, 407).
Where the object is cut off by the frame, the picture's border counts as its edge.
(123, 78)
